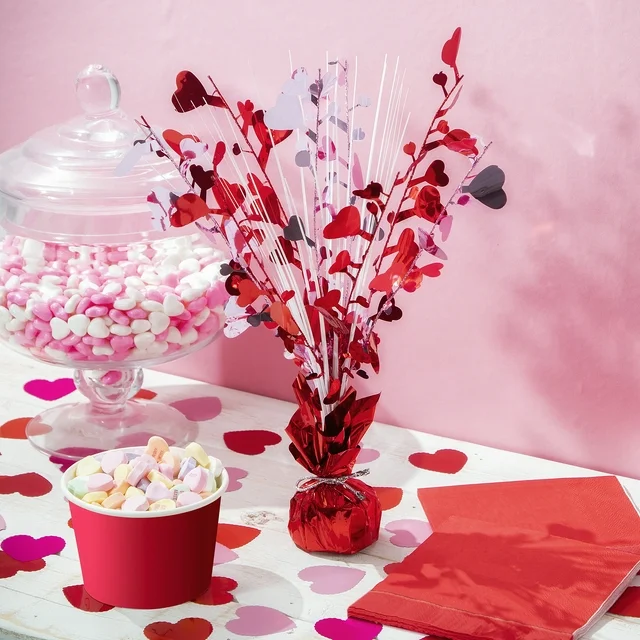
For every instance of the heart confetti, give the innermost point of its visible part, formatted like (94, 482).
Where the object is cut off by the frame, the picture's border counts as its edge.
(78, 597)
(234, 536)
(24, 548)
(408, 533)
(367, 455)
(219, 591)
(10, 567)
(223, 554)
(251, 442)
(442, 461)
(145, 394)
(15, 429)
(331, 579)
(349, 629)
(235, 475)
(185, 629)
(390, 497)
(257, 621)
(50, 389)
(30, 485)
(199, 409)
(628, 604)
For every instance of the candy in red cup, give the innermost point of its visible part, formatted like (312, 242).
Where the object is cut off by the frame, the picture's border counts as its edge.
(145, 560)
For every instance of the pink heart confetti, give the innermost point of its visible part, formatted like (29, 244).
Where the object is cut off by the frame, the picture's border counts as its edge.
(50, 389)
(367, 455)
(26, 549)
(235, 475)
(223, 554)
(257, 621)
(331, 579)
(349, 629)
(199, 409)
(409, 533)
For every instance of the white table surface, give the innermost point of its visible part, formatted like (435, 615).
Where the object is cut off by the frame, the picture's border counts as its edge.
(32, 605)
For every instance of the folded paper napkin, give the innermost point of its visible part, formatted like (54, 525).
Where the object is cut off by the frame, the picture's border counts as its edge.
(480, 580)
(595, 510)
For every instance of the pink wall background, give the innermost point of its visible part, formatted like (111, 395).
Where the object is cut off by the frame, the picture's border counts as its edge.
(531, 339)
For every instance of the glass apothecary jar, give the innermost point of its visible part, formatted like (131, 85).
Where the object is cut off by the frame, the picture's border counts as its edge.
(89, 281)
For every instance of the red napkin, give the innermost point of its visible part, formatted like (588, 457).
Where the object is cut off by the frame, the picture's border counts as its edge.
(477, 580)
(595, 510)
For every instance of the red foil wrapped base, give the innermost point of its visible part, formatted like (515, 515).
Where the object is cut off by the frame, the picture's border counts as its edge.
(331, 517)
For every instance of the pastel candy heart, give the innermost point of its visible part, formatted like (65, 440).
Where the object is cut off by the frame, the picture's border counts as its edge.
(24, 548)
(185, 498)
(100, 482)
(331, 579)
(157, 491)
(111, 460)
(196, 479)
(408, 533)
(349, 629)
(50, 389)
(257, 621)
(172, 305)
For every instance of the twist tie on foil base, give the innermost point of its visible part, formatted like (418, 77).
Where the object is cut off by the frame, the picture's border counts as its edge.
(306, 484)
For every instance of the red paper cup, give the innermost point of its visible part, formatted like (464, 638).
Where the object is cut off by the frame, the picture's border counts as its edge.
(145, 560)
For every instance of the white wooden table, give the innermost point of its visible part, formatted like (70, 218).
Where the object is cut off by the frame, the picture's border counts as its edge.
(33, 605)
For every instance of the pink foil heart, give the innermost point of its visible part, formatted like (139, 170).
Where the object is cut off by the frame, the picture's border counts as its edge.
(349, 629)
(50, 389)
(331, 579)
(26, 549)
(254, 622)
(199, 409)
(235, 475)
(409, 533)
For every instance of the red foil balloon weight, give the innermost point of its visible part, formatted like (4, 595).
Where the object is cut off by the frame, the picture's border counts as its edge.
(333, 510)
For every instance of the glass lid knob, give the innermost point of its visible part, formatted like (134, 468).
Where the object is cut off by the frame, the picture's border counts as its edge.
(97, 90)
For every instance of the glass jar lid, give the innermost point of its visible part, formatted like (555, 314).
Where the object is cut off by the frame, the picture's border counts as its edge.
(63, 184)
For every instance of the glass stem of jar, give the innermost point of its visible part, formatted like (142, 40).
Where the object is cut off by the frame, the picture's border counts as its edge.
(108, 391)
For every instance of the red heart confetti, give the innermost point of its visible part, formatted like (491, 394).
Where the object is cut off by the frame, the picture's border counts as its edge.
(9, 567)
(14, 429)
(628, 604)
(50, 389)
(78, 597)
(390, 497)
(185, 629)
(233, 536)
(219, 591)
(442, 461)
(30, 485)
(251, 442)
(145, 394)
